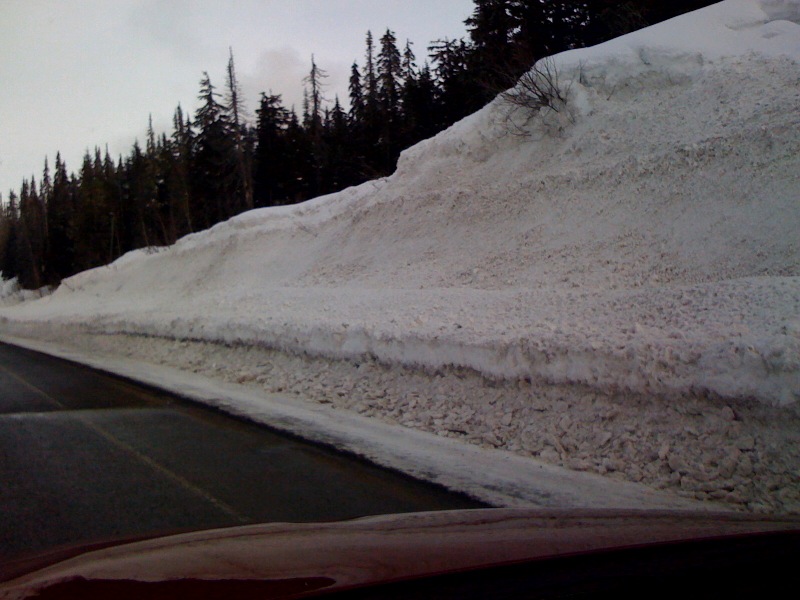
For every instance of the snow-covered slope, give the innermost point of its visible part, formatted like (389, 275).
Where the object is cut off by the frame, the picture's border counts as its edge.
(645, 238)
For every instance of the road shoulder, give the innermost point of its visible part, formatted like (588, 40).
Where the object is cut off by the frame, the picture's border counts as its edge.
(497, 477)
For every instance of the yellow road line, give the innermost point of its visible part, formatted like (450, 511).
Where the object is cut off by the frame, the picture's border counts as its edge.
(182, 481)
(31, 387)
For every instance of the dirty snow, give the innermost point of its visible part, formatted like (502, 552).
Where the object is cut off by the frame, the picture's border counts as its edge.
(612, 288)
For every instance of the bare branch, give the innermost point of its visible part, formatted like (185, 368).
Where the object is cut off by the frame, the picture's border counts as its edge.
(538, 88)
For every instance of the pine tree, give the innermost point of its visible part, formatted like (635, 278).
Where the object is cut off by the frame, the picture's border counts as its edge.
(271, 171)
(371, 120)
(215, 167)
(459, 93)
(409, 66)
(91, 217)
(389, 76)
(370, 77)
(140, 195)
(113, 193)
(60, 215)
(46, 195)
(356, 95)
(491, 27)
(357, 124)
(179, 185)
(7, 267)
(389, 84)
(421, 109)
(339, 168)
(155, 204)
(235, 106)
(152, 202)
(30, 242)
(300, 170)
(314, 81)
(163, 213)
(9, 225)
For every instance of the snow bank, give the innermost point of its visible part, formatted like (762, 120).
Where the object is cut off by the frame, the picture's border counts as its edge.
(8, 287)
(644, 239)
(11, 293)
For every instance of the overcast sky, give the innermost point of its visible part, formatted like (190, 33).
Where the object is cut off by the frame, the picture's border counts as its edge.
(75, 74)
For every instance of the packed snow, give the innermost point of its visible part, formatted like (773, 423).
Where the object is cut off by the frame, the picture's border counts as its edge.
(9, 289)
(613, 287)
(12, 293)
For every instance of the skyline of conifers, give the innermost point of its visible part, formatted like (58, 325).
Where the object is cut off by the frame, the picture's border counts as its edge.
(213, 165)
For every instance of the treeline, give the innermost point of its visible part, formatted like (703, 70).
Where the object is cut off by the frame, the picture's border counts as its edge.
(214, 164)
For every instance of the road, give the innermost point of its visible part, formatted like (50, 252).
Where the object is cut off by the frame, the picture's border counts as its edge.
(86, 457)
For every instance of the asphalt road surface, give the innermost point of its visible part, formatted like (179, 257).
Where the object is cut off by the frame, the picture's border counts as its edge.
(86, 457)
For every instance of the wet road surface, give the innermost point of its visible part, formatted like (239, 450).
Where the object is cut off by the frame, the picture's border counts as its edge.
(86, 457)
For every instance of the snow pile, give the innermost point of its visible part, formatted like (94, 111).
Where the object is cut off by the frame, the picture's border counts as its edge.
(645, 239)
(641, 243)
(739, 453)
(8, 288)
(11, 293)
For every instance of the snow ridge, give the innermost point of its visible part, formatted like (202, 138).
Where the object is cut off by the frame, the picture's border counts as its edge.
(645, 239)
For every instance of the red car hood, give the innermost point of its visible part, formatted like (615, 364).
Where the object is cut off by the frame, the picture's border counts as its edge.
(294, 560)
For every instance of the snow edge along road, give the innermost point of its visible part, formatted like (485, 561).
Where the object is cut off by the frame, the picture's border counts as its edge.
(493, 476)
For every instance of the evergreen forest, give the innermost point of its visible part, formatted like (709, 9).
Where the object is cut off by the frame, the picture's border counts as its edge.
(215, 164)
